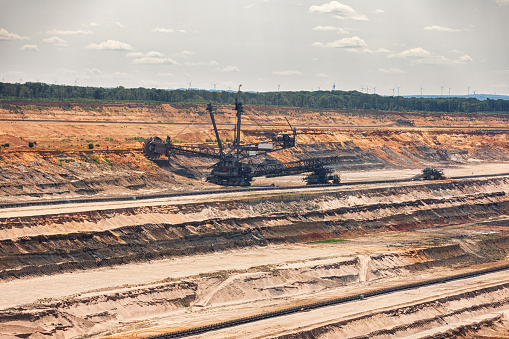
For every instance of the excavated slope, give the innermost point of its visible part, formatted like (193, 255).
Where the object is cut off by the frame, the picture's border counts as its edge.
(49, 244)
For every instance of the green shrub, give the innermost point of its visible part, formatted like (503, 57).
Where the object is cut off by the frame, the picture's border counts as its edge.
(90, 146)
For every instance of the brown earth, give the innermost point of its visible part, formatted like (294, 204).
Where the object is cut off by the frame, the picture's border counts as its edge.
(138, 268)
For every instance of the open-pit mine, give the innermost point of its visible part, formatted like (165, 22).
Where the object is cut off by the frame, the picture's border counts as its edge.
(99, 240)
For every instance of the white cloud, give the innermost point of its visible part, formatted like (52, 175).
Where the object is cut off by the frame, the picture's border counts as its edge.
(5, 35)
(29, 48)
(111, 45)
(322, 75)
(421, 56)
(119, 24)
(351, 42)
(201, 63)
(68, 32)
(417, 52)
(54, 40)
(163, 30)
(154, 61)
(383, 50)
(340, 11)
(378, 11)
(182, 31)
(155, 54)
(287, 72)
(393, 70)
(502, 2)
(135, 55)
(441, 29)
(151, 58)
(96, 73)
(184, 54)
(229, 69)
(331, 29)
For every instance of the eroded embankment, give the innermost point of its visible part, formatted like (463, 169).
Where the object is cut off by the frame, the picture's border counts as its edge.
(125, 308)
(48, 244)
(434, 315)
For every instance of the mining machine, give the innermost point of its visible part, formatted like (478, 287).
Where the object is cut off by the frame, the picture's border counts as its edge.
(430, 173)
(235, 166)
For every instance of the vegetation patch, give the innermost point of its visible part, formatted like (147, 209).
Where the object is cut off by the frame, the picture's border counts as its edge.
(328, 241)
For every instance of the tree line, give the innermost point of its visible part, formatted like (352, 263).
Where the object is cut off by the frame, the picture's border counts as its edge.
(336, 100)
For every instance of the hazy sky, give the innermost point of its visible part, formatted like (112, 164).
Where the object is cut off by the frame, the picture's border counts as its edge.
(300, 45)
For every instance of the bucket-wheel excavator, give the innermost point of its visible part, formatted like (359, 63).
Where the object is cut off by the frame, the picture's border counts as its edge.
(234, 167)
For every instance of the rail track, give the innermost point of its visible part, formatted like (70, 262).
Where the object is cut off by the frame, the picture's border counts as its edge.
(235, 190)
(325, 303)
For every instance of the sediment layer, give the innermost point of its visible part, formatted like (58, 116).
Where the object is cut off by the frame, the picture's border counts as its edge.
(40, 245)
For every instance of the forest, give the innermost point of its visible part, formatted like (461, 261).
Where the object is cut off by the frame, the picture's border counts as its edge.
(336, 100)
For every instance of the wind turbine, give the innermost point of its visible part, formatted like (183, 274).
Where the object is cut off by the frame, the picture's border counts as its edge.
(421, 91)
(214, 86)
(450, 90)
(392, 89)
(334, 87)
(441, 90)
(362, 89)
(374, 90)
(189, 83)
(398, 90)
(278, 87)
(468, 92)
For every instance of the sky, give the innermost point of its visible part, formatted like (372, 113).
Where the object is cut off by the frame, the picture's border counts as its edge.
(375, 46)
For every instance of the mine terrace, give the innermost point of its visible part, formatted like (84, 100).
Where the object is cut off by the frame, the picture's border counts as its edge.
(299, 223)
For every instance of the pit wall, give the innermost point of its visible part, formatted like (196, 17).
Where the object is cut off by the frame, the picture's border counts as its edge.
(57, 243)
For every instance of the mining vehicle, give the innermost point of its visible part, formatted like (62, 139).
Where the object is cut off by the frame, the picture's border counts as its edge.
(430, 173)
(405, 122)
(235, 166)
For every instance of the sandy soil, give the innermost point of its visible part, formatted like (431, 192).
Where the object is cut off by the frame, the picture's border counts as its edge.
(390, 233)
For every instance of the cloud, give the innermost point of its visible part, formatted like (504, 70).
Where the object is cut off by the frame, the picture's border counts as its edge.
(119, 24)
(322, 75)
(340, 11)
(201, 63)
(29, 48)
(229, 69)
(417, 52)
(421, 56)
(68, 32)
(112, 45)
(378, 11)
(331, 29)
(151, 58)
(502, 2)
(441, 29)
(135, 55)
(96, 73)
(155, 54)
(5, 35)
(287, 72)
(351, 42)
(393, 70)
(54, 40)
(154, 61)
(162, 30)
(184, 54)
